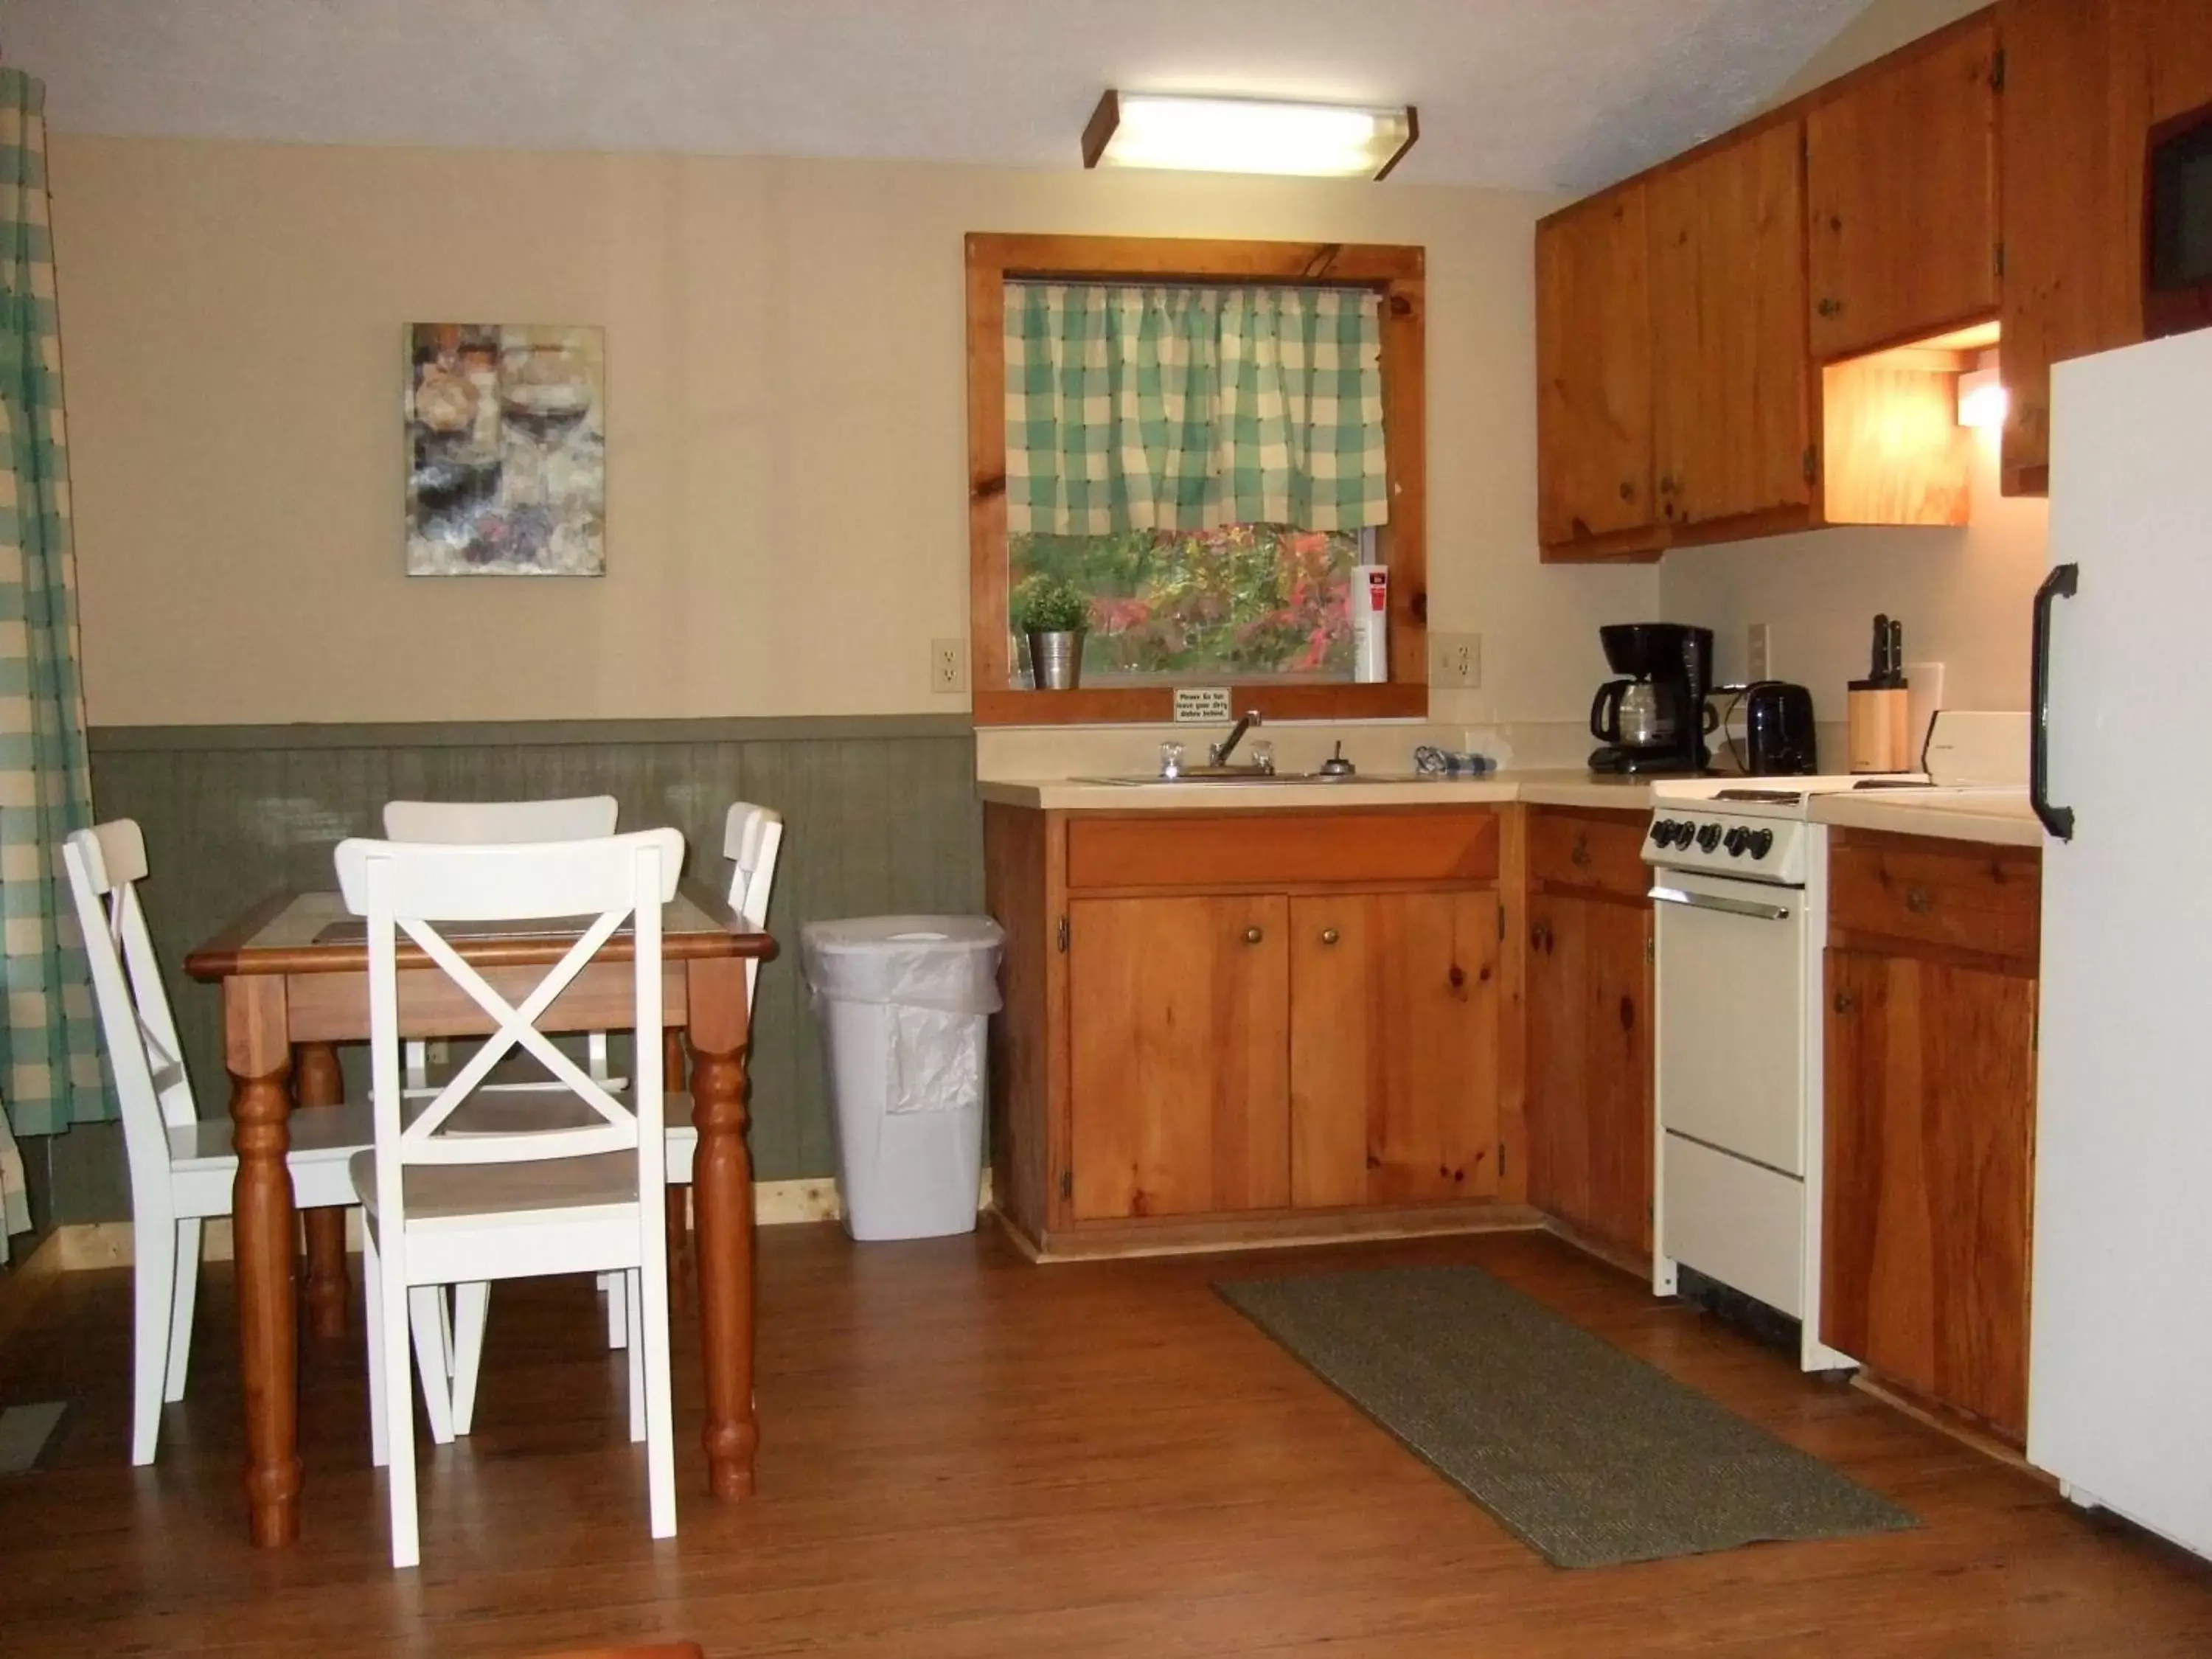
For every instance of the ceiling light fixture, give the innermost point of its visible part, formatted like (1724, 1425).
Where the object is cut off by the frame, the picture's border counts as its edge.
(1247, 135)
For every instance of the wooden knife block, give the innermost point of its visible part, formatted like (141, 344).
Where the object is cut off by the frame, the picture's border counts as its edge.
(1877, 738)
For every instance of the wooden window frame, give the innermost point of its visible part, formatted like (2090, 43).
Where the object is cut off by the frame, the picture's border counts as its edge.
(1395, 273)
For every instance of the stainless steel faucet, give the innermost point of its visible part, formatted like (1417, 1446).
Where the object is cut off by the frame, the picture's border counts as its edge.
(1219, 753)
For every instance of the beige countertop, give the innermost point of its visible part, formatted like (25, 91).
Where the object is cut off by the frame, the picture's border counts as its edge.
(1999, 815)
(1560, 788)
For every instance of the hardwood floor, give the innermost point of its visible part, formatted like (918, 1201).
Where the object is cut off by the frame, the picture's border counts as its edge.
(966, 1455)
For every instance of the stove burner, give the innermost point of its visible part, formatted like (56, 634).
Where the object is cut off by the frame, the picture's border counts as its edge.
(1771, 797)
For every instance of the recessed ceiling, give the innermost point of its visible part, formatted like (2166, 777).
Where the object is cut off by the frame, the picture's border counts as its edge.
(1534, 94)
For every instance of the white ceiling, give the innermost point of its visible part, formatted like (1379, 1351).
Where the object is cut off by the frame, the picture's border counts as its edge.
(1537, 93)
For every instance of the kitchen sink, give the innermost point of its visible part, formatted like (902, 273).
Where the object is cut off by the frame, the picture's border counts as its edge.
(1195, 776)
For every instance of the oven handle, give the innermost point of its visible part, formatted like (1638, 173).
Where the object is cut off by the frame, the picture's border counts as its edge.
(1759, 908)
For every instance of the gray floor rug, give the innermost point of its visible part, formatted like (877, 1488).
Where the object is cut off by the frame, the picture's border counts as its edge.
(1587, 1455)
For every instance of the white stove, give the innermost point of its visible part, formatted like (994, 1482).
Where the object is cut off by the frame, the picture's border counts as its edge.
(1740, 882)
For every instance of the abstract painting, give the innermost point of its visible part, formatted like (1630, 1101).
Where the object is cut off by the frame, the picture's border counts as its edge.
(506, 448)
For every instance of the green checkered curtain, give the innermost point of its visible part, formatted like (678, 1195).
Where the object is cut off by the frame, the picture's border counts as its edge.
(1192, 408)
(49, 1050)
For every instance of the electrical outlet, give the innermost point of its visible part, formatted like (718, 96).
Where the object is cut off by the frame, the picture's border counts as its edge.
(948, 666)
(1456, 660)
(1759, 650)
(438, 1051)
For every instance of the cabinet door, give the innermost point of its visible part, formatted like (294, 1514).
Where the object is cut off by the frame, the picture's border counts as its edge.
(1729, 368)
(2073, 125)
(1589, 1064)
(1931, 1098)
(1901, 192)
(1394, 1048)
(1594, 370)
(1179, 1096)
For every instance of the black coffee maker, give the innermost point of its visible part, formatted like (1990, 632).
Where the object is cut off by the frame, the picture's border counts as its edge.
(1655, 720)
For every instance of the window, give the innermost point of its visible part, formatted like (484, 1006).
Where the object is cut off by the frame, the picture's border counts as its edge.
(1218, 605)
(1212, 495)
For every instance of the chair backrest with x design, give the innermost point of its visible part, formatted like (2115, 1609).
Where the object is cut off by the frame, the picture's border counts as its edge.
(410, 891)
(105, 864)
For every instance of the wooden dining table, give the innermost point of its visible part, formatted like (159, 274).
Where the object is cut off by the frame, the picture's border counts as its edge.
(294, 970)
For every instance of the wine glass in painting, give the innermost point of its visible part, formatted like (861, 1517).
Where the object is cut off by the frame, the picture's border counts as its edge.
(544, 395)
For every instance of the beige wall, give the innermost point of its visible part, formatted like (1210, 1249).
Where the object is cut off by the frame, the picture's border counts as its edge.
(1963, 595)
(786, 364)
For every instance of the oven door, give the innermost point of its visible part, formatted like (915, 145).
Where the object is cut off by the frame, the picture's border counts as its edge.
(1732, 1016)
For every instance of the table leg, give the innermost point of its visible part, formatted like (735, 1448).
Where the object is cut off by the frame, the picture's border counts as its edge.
(259, 1059)
(679, 1199)
(317, 1081)
(722, 1202)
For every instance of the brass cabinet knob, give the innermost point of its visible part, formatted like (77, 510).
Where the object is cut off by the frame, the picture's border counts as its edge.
(1830, 307)
(1627, 491)
(1845, 1002)
(1252, 935)
(1329, 936)
(1581, 854)
(1919, 901)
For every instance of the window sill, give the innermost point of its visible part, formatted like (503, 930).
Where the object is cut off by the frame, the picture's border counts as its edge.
(1145, 705)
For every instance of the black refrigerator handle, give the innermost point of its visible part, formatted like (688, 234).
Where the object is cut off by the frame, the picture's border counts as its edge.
(2060, 584)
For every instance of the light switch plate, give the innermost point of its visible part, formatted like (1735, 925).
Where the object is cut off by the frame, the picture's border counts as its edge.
(948, 666)
(1456, 660)
(1759, 655)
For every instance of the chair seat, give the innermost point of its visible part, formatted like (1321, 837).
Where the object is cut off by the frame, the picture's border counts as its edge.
(203, 1165)
(450, 1193)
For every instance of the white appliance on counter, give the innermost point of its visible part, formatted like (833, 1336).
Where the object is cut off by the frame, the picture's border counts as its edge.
(2120, 1349)
(1740, 885)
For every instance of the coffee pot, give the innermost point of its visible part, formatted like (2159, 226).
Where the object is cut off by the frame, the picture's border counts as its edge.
(1630, 714)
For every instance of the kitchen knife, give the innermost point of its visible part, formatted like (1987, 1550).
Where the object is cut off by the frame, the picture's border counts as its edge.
(1896, 652)
(1880, 649)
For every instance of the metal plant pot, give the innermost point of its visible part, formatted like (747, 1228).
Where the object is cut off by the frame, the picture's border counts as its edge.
(1056, 659)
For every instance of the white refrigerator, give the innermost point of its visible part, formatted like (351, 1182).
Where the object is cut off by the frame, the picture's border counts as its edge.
(2120, 1365)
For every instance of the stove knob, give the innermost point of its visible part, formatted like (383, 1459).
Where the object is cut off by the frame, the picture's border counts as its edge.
(1762, 842)
(1709, 837)
(1671, 830)
(1662, 831)
(1738, 839)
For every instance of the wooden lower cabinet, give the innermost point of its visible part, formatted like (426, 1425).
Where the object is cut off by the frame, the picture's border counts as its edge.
(1394, 1048)
(1180, 1056)
(1929, 1123)
(1590, 1065)
(1206, 1038)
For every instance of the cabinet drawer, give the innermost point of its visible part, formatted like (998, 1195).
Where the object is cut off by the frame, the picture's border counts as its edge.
(1600, 852)
(1278, 849)
(1967, 897)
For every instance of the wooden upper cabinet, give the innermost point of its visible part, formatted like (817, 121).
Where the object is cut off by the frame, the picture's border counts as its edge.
(1901, 195)
(1178, 1095)
(1730, 374)
(1394, 1048)
(1593, 371)
(2072, 128)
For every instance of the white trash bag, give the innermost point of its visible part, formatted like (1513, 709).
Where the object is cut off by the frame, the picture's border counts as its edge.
(903, 1003)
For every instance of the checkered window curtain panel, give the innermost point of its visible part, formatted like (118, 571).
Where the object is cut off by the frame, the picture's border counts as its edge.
(1191, 408)
(50, 1072)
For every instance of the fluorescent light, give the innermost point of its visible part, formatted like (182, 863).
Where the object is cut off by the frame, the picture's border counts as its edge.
(1247, 135)
(1982, 398)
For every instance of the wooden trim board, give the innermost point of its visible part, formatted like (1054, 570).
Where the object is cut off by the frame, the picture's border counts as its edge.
(1273, 1230)
(79, 1246)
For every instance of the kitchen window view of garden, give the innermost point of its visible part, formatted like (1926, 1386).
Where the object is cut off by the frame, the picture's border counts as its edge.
(1242, 600)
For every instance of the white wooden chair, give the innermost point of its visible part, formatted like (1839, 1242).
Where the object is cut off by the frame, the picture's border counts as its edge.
(182, 1167)
(752, 839)
(444, 1204)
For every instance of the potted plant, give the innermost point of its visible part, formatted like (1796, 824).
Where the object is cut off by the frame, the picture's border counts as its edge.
(1055, 614)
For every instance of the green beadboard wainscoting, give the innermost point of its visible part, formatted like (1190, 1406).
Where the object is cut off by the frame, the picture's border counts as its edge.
(881, 818)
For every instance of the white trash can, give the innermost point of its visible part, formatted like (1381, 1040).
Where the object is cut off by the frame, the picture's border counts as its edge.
(903, 1003)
